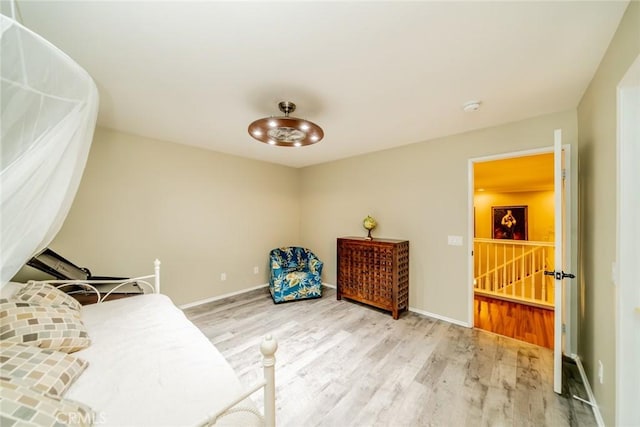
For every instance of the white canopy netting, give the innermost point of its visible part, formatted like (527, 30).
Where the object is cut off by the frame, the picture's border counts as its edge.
(49, 111)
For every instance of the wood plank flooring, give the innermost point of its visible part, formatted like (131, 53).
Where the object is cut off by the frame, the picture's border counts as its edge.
(340, 363)
(522, 322)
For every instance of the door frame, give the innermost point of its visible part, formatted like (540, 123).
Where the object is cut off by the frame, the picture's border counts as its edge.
(626, 272)
(572, 295)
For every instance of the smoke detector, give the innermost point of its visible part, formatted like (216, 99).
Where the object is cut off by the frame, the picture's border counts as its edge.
(471, 106)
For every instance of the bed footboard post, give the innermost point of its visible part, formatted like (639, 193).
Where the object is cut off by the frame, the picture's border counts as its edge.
(268, 349)
(156, 268)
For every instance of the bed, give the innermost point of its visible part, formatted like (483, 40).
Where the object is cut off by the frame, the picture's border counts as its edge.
(134, 361)
(148, 365)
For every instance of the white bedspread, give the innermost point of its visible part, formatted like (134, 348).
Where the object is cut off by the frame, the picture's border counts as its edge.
(150, 366)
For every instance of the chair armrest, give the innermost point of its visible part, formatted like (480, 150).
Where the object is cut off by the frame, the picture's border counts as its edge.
(315, 266)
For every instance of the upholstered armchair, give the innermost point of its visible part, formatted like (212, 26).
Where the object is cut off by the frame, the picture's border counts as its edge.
(295, 274)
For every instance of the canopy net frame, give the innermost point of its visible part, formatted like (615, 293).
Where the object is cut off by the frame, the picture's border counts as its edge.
(49, 108)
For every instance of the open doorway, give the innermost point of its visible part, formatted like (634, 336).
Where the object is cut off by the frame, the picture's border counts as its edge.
(514, 237)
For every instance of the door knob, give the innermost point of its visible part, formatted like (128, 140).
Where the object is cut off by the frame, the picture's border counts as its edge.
(559, 275)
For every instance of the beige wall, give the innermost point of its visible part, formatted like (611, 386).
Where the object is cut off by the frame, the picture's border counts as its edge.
(417, 192)
(540, 212)
(597, 156)
(200, 212)
(203, 213)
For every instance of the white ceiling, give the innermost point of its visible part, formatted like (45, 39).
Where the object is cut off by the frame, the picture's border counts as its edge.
(373, 75)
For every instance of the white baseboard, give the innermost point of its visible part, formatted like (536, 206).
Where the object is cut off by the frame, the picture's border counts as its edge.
(219, 297)
(328, 285)
(424, 313)
(587, 387)
(439, 317)
(231, 294)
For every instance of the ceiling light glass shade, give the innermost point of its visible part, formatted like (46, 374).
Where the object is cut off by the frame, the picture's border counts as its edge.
(286, 131)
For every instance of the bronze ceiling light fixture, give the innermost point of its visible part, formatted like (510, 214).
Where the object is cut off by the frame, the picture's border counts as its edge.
(286, 131)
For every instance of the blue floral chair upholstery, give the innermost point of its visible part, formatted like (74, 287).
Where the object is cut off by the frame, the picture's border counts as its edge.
(295, 274)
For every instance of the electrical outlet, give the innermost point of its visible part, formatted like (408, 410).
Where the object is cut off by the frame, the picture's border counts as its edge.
(256, 270)
(454, 240)
(600, 372)
(223, 276)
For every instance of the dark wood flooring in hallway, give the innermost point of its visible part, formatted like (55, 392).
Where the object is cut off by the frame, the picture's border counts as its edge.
(522, 322)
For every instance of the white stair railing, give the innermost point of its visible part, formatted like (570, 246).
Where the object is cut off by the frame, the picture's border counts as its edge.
(514, 270)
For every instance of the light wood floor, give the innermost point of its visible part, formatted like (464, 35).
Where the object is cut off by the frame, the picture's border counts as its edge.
(522, 322)
(340, 363)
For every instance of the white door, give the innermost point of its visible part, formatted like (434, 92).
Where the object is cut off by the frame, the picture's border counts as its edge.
(628, 251)
(562, 252)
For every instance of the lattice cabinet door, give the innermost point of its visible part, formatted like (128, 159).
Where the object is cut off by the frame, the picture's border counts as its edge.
(374, 272)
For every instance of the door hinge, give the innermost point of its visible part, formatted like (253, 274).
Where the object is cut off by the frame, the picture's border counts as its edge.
(564, 174)
(564, 328)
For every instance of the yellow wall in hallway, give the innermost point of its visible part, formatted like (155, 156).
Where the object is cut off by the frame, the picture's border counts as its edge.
(540, 213)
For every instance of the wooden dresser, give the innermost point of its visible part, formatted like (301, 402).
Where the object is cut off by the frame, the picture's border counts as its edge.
(374, 272)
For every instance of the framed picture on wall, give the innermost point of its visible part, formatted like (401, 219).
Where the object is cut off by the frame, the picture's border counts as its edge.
(509, 222)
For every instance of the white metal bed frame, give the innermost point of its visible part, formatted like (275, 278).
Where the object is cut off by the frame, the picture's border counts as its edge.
(268, 348)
